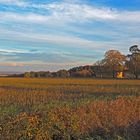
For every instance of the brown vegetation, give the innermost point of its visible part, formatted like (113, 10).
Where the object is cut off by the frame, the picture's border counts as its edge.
(69, 109)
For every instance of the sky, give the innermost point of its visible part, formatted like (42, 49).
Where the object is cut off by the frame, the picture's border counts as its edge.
(60, 34)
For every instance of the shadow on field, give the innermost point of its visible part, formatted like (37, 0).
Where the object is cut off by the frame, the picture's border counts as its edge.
(131, 132)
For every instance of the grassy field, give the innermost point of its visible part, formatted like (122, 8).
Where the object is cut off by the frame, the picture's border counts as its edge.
(69, 109)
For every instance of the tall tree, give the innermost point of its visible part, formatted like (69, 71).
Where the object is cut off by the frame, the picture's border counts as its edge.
(133, 61)
(134, 49)
(114, 61)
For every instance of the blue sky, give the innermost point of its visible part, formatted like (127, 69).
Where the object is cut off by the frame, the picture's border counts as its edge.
(56, 34)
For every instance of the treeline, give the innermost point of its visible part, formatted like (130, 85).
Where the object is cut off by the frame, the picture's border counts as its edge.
(113, 63)
(82, 71)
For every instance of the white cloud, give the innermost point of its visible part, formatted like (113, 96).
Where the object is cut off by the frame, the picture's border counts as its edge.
(25, 18)
(129, 16)
(78, 11)
(19, 3)
(12, 51)
(57, 40)
(68, 12)
(123, 39)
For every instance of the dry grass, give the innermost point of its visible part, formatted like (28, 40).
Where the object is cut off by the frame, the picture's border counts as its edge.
(69, 109)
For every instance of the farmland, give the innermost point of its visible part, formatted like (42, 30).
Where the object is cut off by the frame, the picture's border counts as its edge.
(69, 109)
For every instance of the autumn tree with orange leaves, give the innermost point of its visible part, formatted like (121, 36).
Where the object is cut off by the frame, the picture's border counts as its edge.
(114, 61)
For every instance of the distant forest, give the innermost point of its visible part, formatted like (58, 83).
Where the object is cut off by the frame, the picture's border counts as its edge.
(113, 65)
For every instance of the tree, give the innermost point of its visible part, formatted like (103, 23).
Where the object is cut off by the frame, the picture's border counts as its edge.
(133, 61)
(32, 74)
(85, 73)
(114, 61)
(48, 74)
(27, 74)
(99, 68)
(82, 71)
(62, 73)
(134, 49)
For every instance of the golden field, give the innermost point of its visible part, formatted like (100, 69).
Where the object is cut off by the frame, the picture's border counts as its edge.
(69, 109)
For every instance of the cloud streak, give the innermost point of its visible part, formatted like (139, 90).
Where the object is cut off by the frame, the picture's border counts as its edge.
(18, 3)
(68, 12)
(63, 32)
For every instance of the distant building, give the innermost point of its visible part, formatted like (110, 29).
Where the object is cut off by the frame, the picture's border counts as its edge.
(120, 75)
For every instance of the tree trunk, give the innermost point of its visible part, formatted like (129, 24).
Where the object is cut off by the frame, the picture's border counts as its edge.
(136, 76)
(113, 74)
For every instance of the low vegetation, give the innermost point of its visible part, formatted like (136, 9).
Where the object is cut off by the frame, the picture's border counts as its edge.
(69, 109)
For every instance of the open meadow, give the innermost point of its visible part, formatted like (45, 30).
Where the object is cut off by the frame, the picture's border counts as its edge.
(69, 109)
